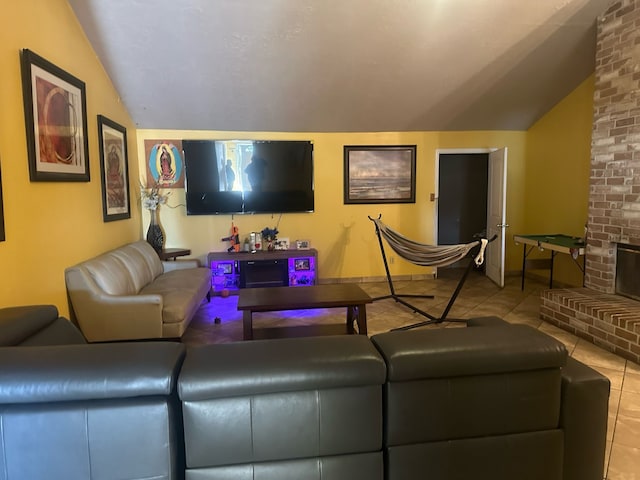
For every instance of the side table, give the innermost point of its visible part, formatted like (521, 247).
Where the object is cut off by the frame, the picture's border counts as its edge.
(172, 253)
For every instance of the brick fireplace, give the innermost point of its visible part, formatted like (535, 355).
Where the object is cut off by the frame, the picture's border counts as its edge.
(596, 312)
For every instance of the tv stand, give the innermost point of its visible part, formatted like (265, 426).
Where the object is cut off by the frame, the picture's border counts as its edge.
(232, 271)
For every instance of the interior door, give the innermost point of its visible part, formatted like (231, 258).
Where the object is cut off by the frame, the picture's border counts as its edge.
(496, 216)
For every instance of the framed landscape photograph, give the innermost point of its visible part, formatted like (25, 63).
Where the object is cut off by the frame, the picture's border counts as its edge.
(380, 174)
(114, 170)
(55, 109)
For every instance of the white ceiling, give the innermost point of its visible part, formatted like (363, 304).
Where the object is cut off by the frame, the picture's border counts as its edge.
(342, 65)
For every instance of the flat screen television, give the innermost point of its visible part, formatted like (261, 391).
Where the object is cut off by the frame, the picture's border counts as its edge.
(245, 176)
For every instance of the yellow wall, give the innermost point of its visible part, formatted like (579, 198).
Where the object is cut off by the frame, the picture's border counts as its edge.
(51, 225)
(345, 238)
(557, 173)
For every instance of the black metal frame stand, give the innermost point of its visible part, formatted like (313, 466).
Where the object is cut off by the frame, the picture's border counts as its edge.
(399, 298)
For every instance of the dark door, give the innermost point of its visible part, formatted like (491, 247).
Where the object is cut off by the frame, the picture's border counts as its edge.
(462, 197)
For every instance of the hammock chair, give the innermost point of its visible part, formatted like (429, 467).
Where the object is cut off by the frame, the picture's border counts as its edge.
(427, 256)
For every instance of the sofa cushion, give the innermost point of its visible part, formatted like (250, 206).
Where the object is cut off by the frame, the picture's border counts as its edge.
(248, 403)
(268, 366)
(140, 269)
(179, 288)
(151, 257)
(468, 351)
(88, 372)
(111, 275)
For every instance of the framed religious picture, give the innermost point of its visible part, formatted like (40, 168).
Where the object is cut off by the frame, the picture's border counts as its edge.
(114, 170)
(165, 166)
(380, 174)
(55, 110)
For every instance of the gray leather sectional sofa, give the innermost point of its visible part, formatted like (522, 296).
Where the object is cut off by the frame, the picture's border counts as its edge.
(491, 401)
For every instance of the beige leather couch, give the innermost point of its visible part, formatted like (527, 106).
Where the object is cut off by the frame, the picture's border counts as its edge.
(128, 293)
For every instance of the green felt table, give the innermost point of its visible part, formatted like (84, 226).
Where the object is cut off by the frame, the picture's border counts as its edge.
(555, 243)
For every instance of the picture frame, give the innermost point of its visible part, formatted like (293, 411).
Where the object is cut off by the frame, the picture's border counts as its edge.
(165, 165)
(282, 243)
(55, 109)
(302, 264)
(379, 174)
(114, 170)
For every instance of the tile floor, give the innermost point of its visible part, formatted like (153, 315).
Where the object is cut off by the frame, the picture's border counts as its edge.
(479, 297)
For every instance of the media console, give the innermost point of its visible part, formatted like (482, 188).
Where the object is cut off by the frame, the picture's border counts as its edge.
(277, 268)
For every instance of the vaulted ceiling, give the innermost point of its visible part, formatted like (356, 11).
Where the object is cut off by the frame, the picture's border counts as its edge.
(342, 65)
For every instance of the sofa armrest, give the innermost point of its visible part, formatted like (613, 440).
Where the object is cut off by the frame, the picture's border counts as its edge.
(112, 317)
(179, 265)
(19, 323)
(88, 372)
(583, 416)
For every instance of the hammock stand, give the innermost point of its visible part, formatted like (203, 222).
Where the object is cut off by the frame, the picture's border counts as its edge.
(426, 255)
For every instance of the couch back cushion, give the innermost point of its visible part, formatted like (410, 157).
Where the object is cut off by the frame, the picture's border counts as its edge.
(125, 270)
(110, 274)
(150, 257)
(142, 268)
(455, 383)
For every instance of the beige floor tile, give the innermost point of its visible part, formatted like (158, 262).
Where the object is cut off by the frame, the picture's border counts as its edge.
(631, 383)
(597, 357)
(630, 404)
(633, 368)
(627, 431)
(570, 341)
(624, 463)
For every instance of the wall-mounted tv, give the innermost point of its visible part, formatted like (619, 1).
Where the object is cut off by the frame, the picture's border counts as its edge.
(248, 176)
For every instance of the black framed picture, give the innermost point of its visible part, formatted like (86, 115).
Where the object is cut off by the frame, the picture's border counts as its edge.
(55, 109)
(380, 174)
(114, 170)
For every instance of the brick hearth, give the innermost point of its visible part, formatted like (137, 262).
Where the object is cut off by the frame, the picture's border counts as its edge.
(609, 321)
(596, 313)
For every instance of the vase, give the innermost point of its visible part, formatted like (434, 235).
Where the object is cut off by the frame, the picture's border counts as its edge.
(271, 245)
(155, 237)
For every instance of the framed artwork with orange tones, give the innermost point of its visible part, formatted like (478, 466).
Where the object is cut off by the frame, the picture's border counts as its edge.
(114, 170)
(55, 110)
(380, 174)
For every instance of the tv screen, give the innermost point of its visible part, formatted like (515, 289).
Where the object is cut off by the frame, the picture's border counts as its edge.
(245, 176)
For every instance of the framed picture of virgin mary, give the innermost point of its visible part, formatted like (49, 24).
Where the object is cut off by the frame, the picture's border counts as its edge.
(55, 110)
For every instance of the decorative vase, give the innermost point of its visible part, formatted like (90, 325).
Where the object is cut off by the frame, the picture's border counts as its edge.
(271, 245)
(155, 237)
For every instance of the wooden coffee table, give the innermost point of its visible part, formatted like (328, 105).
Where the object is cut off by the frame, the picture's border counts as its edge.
(271, 299)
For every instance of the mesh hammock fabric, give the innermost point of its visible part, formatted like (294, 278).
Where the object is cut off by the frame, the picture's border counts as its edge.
(428, 255)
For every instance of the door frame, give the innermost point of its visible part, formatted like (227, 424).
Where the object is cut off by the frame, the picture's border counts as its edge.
(446, 151)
